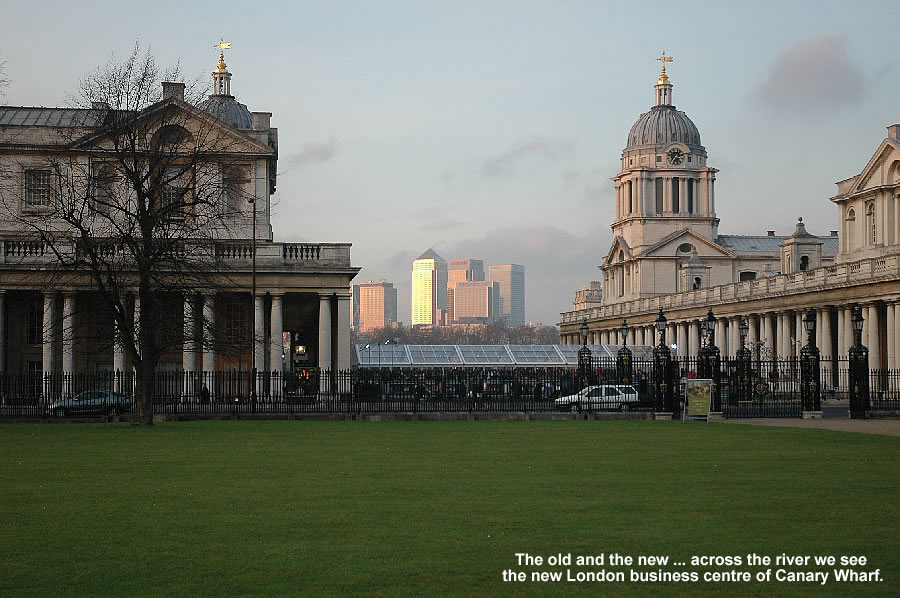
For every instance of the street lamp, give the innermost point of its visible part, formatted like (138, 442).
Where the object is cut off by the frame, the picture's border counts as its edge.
(623, 358)
(744, 364)
(661, 327)
(857, 320)
(859, 369)
(810, 360)
(809, 324)
(710, 325)
(584, 356)
(743, 329)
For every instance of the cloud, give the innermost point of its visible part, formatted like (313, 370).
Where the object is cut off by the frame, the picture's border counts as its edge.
(314, 152)
(540, 147)
(813, 76)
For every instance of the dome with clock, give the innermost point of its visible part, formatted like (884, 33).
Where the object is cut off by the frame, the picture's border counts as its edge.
(663, 125)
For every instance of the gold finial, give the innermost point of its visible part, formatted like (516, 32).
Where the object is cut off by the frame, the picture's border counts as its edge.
(663, 77)
(222, 46)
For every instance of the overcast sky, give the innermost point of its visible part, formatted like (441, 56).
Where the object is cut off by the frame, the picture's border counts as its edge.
(490, 129)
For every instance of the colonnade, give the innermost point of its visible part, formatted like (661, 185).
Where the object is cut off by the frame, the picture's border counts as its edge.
(198, 352)
(771, 335)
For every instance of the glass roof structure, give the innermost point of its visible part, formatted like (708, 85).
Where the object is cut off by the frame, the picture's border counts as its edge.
(485, 355)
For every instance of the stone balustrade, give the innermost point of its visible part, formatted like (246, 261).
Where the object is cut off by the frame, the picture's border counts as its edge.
(234, 254)
(795, 282)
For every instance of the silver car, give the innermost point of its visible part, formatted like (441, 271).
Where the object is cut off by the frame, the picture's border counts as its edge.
(604, 397)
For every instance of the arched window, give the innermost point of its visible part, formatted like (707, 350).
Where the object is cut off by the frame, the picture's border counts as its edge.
(871, 231)
(850, 226)
(630, 199)
(804, 263)
(697, 283)
(676, 207)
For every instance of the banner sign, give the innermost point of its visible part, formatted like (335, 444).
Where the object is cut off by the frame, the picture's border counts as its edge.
(698, 398)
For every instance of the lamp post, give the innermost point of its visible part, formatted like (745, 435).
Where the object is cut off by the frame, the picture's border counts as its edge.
(859, 369)
(662, 369)
(709, 359)
(254, 371)
(624, 358)
(744, 364)
(584, 357)
(810, 385)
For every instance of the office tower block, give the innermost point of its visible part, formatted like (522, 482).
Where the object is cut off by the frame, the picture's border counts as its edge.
(429, 290)
(466, 270)
(511, 278)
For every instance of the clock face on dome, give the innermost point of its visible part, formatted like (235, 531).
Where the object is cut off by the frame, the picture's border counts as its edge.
(676, 156)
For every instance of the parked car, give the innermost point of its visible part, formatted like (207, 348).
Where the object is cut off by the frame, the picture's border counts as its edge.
(604, 397)
(91, 402)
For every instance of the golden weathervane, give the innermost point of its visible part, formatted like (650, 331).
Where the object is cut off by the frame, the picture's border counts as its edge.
(222, 46)
(663, 78)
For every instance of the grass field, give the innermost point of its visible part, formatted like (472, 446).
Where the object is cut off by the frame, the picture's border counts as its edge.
(273, 508)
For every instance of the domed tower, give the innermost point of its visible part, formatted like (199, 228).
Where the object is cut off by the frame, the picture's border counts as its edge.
(221, 104)
(665, 184)
(665, 207)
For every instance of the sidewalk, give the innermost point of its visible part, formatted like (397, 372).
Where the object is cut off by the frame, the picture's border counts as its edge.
(889, 427)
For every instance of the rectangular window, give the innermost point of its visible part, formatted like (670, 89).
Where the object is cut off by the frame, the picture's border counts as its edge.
(103, 177)
(236, 182)
(676, 196)
(659, 196)
(174, 197)
(35, 329)
(690, 196)
(37, 188)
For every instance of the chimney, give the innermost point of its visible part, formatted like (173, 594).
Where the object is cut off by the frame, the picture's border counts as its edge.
(834, 233)
(261, 120)
(173, 91)
(894, 131)
(771, 233)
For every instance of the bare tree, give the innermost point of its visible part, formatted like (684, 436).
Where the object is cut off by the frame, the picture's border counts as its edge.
(140, 186)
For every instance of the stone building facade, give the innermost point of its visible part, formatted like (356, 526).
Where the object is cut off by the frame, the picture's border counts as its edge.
(299, 316)
(667, 254)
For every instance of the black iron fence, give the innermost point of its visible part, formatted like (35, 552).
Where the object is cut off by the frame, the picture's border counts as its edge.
(759, 388)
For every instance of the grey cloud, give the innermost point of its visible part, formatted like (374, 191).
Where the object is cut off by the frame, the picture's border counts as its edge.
(541, 147)
(314, 152)
(813, 76)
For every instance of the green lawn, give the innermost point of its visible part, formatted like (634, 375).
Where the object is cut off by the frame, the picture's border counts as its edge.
(272, 508)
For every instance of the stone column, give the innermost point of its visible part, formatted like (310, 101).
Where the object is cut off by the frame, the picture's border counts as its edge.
(799, 332)
(49, 332)
(189, 345)
(841, 340)
(720, 336)
(325, 332)
(276, 340)
(753, 335)
(874, 326)
(259, 333)
(891, 335)
(343, 332)
(694, 341)
(768, 333)
(68, 333)
(682, 339)
(209, 337)
(826, 344)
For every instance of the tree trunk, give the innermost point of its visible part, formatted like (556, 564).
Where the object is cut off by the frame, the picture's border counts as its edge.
(142, 409)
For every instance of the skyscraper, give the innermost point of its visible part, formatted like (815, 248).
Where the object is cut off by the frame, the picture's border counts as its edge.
(512, 292)
(467, 270)
(477, 302)
(429, 289)
(374, 305)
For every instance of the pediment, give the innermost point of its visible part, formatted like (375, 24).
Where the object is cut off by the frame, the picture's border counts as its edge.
(668, 246)
(618, 244)
(209, 134)
(876, 172)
